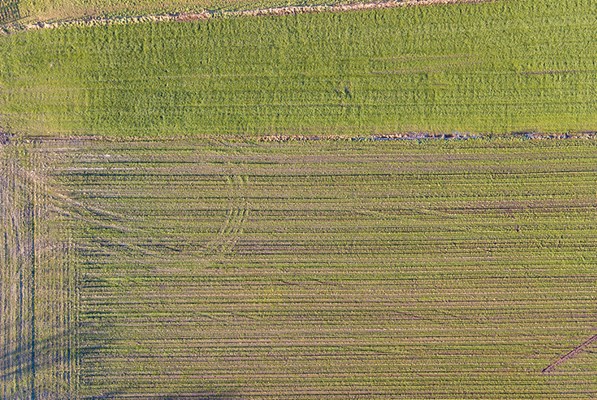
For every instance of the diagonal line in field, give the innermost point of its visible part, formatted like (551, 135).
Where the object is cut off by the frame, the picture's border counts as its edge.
(578, 349)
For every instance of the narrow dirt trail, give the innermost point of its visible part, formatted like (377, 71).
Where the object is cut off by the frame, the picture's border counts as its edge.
(205, 15)
(578, 349)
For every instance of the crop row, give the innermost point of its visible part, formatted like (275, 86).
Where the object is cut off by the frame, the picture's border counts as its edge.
(268, 270)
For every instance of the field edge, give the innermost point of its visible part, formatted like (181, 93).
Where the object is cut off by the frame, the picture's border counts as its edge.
(37, 295)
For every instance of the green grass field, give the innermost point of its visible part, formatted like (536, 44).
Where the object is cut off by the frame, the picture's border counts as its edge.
(497, 67)
(235, 270)
(155, 244)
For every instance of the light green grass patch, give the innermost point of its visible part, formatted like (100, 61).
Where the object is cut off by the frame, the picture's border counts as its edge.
(498, 67)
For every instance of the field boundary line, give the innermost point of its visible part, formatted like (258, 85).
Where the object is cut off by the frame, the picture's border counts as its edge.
(17, 283)
(36, 358)
(398, 136)
(433, 136)
(572, 353)
(212, 14)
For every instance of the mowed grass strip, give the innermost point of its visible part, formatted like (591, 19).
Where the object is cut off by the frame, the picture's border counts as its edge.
(333, 269)
(497, 67)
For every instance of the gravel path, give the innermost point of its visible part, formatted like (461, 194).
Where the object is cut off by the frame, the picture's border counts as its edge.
(277, 11)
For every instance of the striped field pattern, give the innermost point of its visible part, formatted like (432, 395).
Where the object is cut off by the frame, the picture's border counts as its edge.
(331, 269)
(37, 283)
(9, 11)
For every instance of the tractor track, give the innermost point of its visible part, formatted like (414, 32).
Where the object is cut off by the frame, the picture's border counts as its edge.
(574, 352)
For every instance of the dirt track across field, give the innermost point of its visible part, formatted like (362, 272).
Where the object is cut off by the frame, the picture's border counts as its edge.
(578, 349)
(275, 11)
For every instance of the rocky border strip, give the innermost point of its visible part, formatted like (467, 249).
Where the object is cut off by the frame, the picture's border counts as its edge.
(205, 15)
(588, 135)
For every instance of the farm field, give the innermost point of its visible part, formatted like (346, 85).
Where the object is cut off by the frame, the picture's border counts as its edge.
(334, 205)
(480, 68)
(324, 269)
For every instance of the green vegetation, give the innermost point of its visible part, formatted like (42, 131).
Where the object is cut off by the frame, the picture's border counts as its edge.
(153, 246)
(331, 269)
(320, 269)
(497, 67)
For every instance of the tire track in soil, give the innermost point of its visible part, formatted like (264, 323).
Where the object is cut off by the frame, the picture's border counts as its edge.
(17, 292)
(35, 333)
(236, 215)
(574, 352)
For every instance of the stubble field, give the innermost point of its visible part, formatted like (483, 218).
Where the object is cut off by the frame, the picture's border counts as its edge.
(457, 269)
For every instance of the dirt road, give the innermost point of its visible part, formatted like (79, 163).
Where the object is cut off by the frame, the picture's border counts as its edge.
(275, 11)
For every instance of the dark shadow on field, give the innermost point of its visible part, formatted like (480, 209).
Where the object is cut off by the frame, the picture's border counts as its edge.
(9, 11)
(5, 137)
(92, 344)
(107, 396)
(33, 356)
(20, 361)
